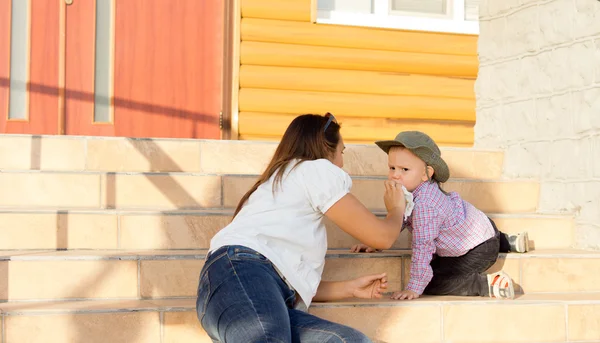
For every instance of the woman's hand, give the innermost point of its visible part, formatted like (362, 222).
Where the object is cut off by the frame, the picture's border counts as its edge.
(369, 286)
(394, 197)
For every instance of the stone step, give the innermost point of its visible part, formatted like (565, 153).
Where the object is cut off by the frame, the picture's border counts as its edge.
(141, 230)
(119, 154)
(167, 191)
(529, 318)
(172, 274)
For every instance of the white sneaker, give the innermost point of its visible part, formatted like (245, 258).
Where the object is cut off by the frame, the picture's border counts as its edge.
(519, 242)
(500, 285)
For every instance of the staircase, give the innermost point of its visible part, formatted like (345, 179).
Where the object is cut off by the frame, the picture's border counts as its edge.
(103, 239)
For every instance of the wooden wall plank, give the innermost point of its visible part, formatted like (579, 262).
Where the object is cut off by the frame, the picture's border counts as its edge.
(270, 126)
(342, 36)
(356, 105)
(281, 9)
(291, 55)
(352, 81)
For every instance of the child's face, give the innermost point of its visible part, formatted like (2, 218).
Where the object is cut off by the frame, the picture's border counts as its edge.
(406, 168)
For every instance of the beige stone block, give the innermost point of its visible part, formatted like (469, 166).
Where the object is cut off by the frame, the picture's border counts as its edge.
(345, 268)
(561, 275)
(143, 155)
(369, 193)
(473, 164)
(50, 190)
(584, 322)
(151, 191)
(488, 323)
(169, 278)
(69, 279)
(57, 230)
(418, 324)
(42, 153)
(234, 188)
(512, 267)
(498, 197)
(338, 239)
(495, 197)
(170, 231)
(140, 327)
(235, 157)
(365, 160)
(61, 154)
(183, 327)
(544, 232)
(4, 280)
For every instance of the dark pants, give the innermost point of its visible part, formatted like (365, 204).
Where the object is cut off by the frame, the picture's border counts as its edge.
(464, 275)
(242, 299)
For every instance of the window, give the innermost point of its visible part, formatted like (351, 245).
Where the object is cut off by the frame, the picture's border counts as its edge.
(455, 16)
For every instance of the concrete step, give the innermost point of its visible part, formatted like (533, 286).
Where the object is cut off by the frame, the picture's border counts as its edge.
(167, 191)
(118, 154)
(138, 230)
(174, 273)
(542, 318)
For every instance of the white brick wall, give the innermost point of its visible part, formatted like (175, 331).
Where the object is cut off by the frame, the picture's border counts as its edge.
(538, 97)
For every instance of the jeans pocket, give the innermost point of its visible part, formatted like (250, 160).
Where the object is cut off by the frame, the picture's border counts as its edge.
(245, 255)
(203, 295)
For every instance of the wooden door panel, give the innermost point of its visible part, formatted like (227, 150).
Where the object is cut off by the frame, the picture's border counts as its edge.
(39, 113)
(168, 68)
(5, 23)
(80, 50)
(43, 68)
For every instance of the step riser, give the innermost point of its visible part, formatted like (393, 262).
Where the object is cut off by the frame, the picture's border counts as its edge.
(108, 279)
(193, 231)
(425, 323)
(176, 191)
(205, 156)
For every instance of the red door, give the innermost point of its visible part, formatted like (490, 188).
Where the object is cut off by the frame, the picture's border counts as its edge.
(135, 68)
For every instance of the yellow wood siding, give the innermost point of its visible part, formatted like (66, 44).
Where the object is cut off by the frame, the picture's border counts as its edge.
(377, 82)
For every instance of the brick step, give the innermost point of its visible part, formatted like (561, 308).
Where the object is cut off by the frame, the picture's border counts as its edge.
(114, 229)
(169, 274)
(529, 318)
(119, 154)
(163, 191)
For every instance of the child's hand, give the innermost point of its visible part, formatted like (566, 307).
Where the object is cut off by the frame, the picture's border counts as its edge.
(369, 287)
(405, 295)
(363, 248)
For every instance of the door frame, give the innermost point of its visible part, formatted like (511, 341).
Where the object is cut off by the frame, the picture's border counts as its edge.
(231, 70)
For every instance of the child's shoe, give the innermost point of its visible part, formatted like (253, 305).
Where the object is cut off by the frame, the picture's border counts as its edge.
(500, 285)
(519, 242)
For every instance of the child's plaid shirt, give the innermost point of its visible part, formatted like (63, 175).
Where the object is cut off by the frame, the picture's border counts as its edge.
(444, 225)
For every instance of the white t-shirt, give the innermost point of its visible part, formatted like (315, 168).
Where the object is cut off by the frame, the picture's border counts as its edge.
(287, 226)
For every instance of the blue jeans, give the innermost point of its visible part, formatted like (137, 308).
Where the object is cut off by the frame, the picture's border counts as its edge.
(242, 299)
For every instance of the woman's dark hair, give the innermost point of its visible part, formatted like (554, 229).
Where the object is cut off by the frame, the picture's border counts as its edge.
(308, 137)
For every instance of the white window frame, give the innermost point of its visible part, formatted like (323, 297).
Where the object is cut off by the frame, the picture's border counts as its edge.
(384, 17)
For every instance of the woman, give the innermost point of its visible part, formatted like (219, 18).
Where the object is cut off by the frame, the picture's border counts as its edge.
(264, 269)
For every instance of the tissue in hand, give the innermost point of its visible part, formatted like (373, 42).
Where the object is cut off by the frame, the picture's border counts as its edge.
(409, 202)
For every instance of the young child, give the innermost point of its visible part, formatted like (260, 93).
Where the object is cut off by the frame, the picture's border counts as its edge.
(453, 242)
